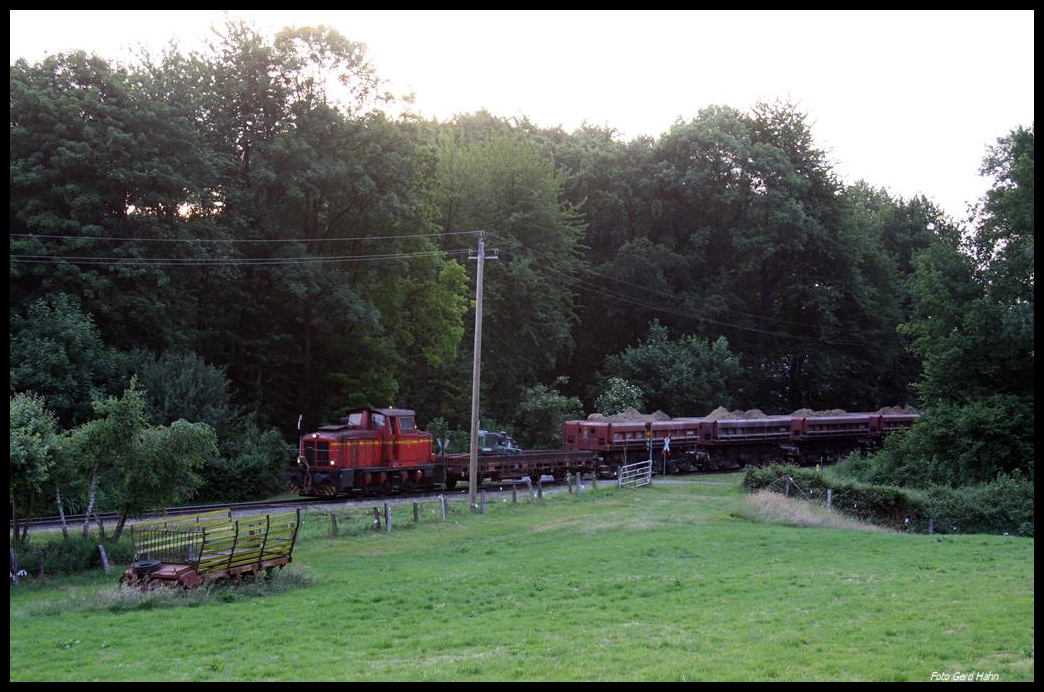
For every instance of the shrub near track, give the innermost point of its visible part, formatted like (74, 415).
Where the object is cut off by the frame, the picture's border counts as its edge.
(1004, 506)
(655, 584)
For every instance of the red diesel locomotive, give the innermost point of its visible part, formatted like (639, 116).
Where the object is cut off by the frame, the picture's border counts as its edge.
(381, 451)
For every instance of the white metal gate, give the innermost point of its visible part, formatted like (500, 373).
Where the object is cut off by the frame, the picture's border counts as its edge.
(635, 475)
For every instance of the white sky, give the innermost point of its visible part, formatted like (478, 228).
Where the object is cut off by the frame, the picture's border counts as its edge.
(908, 101)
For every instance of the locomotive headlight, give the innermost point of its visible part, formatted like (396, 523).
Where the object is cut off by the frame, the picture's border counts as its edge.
(332, 462)
(315, 436)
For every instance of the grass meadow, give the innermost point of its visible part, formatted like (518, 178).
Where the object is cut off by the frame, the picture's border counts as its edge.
(681, 581)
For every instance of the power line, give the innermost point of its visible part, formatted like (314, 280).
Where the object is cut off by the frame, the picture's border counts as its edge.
(598, 288)
(644, 303)
(217, 261)
(235, 240)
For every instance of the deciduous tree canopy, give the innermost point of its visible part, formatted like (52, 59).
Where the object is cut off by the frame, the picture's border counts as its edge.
(247, 223)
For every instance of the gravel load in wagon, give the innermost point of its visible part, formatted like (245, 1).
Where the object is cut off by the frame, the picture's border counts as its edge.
(200, 548)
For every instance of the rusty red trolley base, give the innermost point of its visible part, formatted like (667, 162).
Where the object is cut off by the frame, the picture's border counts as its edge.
(202, 548)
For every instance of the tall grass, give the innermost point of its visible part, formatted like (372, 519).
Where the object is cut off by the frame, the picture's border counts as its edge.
(767, 506)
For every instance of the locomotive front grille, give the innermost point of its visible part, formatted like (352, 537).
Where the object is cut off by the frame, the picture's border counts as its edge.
(317, 452)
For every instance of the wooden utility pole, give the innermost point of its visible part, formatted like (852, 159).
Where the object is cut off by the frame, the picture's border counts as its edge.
(476, 370)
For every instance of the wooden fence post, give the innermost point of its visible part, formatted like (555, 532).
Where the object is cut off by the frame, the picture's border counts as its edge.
(333, 525)
(376, 518)
(387, 518)
(830, 498)
(416, 512)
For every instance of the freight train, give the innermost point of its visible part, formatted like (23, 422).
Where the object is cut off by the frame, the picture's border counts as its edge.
(710, 444)
(380, 451)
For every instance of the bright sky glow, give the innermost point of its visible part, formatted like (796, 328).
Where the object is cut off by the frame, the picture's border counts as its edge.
(905, 100)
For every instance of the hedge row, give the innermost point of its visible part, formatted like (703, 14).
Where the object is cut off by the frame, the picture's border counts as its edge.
(72, 555)
(1003, 506)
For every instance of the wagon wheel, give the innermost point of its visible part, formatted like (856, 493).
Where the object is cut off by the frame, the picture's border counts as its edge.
(143, 567)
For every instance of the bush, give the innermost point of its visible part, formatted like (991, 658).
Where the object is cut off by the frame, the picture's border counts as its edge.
(252, 470)
(541, 412)
(1003, 506)
(69, 556)
(618, 396)
(957, 445)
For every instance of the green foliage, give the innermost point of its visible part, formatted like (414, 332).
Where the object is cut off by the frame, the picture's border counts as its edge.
(889, 505)
(248, 462)
(1004, 505)
(34, 444)
(541, 412)
(213, 207)
(971, 321)
(490, 179)
(687, 376)
(618, 395)
(110, 441)
(73, 555)
(166, 465)
(250, 467)
(36, 450)
(959, 444)
(57, 352)
(180, 385)
(1003, 243)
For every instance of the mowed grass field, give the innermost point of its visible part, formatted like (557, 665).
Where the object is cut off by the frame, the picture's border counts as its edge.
(665, 583)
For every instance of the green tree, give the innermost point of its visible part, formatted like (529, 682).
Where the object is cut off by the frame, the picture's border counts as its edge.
(492, 179)
(109, 443)
(57, 351)
(35, 448)
(1003, 243)
(97, 158)
(162, 467)
(683, 377)
(971, 324)
(541, 412)
(618, 395)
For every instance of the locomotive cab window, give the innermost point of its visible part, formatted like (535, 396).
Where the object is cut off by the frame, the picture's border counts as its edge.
(355, 419)
(406, 424)
(377, 420)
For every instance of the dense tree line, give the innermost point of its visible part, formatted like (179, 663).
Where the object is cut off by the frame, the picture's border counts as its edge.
(246, 231)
